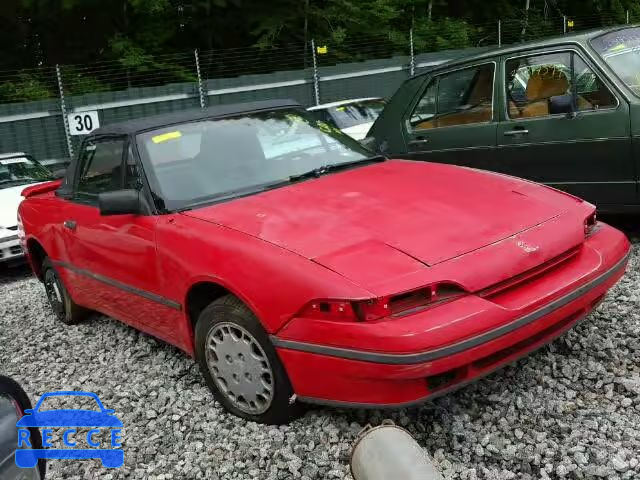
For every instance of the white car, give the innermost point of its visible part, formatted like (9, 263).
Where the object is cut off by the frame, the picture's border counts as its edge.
(354, 117)
(17, 170)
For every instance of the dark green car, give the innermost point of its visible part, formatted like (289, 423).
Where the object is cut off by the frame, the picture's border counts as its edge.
(563, 111)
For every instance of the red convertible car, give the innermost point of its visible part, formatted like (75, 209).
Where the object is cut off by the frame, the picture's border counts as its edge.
(296, 267)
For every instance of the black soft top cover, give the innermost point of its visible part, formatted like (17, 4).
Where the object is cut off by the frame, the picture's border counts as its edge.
(192, 115)
(158, 121)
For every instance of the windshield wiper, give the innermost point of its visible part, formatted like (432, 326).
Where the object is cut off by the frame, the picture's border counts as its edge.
(334, 167)
(245, 192)
(232, 194)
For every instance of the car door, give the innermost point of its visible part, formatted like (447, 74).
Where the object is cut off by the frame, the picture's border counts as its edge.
(564, 124)
(452, 120)
(113, 258)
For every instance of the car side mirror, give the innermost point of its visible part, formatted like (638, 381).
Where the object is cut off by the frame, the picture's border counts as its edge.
(120, 202)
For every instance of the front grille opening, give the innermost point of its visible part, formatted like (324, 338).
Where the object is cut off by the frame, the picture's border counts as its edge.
(442, 380)
(405, 301)
(500, 355)
(15, 250)
(456, 375)
(8, 239)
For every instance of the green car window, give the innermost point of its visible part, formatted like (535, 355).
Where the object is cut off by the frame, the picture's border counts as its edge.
(554, 83)
(460, 97)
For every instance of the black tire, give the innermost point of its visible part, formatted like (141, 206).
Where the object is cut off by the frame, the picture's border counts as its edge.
(63, 306)
(13, 390)
(230, 310)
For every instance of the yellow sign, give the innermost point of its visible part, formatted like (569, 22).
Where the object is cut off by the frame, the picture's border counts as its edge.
(322, 50)
(166, 136)
(570, 23)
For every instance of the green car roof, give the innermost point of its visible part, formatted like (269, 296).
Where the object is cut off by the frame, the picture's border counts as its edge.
(581, 38)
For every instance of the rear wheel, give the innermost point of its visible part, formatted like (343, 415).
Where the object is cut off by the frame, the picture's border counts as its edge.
(61, 303)
(240, 365)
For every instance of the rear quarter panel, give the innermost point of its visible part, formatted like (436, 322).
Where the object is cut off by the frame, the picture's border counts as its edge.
(42, 218)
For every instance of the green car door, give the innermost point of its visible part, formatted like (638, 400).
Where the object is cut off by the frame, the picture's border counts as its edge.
(452, 118)
(564, 124)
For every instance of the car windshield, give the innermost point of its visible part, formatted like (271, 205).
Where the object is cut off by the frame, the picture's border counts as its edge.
(206, 161)
(366, 111)
(21, 171)
(621, 50)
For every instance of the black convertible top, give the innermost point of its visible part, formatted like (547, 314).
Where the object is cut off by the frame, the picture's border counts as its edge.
(166, 119)
(158, 121)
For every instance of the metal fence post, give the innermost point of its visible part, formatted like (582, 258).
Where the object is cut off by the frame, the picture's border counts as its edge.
(627, 17)
(63, 108)
(412, 64)
(564, 24)
(316, 79)
(499, 33)
(203, 102)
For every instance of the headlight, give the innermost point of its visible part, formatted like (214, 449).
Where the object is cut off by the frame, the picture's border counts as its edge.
(373, 309)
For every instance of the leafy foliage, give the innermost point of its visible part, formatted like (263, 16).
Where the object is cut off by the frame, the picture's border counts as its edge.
(138, 36)
(25, 87)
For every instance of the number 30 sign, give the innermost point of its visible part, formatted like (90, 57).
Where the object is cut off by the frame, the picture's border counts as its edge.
(82, 123)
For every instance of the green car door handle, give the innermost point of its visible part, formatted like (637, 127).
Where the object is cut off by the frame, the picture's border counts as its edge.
(516, 131)
(419, 141)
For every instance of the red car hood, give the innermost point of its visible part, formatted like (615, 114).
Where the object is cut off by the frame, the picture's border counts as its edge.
(431, 212)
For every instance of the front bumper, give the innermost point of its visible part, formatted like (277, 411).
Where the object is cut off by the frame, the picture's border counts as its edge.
(10, 250)
(438, 350)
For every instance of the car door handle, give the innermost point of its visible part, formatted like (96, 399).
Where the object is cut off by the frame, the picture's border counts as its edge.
(516, 131)
(419, 141)
(70, 224)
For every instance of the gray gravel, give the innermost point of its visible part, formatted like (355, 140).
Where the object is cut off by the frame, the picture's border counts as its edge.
(572, 410)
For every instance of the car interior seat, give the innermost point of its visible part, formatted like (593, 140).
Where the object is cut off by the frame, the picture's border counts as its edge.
(541, 87)
(231, 156)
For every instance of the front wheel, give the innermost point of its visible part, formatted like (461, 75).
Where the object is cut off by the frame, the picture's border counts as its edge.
(240, 365)
(65, 309)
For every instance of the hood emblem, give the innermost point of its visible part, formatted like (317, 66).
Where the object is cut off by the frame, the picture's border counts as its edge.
(528, 248)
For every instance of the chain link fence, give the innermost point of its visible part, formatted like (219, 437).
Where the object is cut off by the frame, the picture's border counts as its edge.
(69, 101)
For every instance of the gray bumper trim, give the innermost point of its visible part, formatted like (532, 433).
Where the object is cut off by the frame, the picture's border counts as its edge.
(421, 357)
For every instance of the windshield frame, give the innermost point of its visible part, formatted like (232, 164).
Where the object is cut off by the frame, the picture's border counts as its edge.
(600, 61)
(167, 206)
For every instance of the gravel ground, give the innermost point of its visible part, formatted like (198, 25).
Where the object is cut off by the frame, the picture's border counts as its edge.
(571, 410)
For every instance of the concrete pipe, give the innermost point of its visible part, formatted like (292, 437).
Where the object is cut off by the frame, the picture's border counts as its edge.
(388, 452)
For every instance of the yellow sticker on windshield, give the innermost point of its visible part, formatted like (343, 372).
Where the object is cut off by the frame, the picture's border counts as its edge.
(293, 118)
(617, 48)
(166, 137)
(324, 127)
